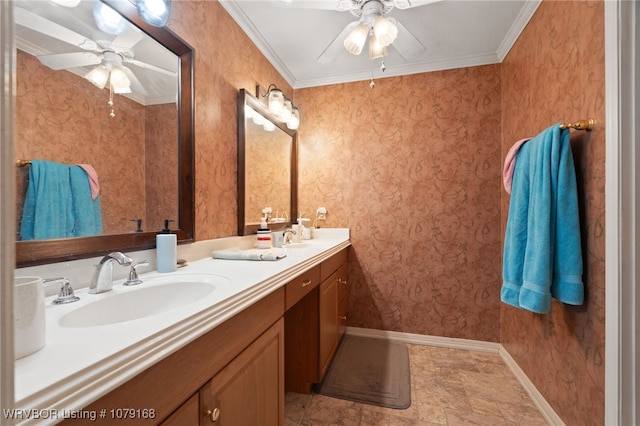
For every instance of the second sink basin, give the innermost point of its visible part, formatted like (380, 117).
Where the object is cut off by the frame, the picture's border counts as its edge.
(155, 296)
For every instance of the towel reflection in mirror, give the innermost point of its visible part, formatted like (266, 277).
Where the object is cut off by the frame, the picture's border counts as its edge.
(59, 202)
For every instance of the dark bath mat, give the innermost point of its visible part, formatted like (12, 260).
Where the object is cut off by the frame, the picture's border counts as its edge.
(371, 371)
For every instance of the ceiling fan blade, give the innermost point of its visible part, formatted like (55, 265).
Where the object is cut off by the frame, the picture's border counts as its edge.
(151, 67)
(406, 4)
(406, 44)
(63, 61)
(128, 39)
(44, 26)
(136, 86)
(337, 45)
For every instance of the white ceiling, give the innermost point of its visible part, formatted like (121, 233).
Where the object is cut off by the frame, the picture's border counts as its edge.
(455, 33)
(45, 28)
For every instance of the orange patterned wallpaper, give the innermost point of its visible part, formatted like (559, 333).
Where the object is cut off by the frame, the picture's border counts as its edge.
(412, 167)
(555, 72)
(62, 117)
(225, 61)
(161, 158)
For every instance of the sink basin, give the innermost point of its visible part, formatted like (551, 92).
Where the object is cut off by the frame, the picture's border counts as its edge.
(155, 296)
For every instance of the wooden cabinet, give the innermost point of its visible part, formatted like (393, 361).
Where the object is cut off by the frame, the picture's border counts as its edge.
(314, 326)
(188, 414)
(250, 390)
(332, 317)
(244, 351)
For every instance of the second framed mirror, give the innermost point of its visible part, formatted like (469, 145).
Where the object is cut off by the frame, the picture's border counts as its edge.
(267, 167)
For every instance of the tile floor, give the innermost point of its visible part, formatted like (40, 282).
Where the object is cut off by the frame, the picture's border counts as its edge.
(448, 387)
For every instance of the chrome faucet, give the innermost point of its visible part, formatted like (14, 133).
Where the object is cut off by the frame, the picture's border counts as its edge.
(102, 279)
(287, 238)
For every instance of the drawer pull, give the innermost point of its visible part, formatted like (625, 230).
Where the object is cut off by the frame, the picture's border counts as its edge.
(214, 415)
(306, 283)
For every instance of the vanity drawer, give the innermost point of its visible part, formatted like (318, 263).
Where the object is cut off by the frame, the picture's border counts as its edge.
(330, 265)
(299, 287)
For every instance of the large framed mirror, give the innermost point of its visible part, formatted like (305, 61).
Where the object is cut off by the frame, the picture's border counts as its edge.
(143, 154)
(267, 167)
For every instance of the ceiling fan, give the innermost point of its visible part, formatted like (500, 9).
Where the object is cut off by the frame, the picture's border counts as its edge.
(371, 25)
(103, 53)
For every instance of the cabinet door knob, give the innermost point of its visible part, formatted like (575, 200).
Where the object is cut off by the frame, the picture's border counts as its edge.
(213, 415)
(344, 317)
(306, 283)
(341, 281)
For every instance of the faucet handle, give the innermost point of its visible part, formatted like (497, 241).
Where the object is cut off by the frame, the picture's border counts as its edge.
(66, 294)
(133, 273)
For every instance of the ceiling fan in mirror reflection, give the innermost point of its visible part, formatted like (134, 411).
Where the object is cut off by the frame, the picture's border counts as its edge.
(109, 49)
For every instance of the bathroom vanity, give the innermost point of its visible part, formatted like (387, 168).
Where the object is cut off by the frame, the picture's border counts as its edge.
(273, 325)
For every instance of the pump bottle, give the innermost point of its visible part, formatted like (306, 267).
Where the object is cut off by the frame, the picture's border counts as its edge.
(166, 249)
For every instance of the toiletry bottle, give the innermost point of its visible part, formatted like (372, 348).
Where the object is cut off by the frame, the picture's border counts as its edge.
(298, 229)
(264, 235)
(166, 249)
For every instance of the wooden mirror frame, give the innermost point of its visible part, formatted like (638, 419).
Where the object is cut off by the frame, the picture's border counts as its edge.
(38, 252)
(246, 98)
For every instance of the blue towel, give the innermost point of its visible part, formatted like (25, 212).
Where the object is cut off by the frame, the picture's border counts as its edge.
(542, 250)
(56, 205)
(87, 214)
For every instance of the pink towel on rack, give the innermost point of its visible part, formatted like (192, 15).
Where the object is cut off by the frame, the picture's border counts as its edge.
(93, 180)
(510, 164)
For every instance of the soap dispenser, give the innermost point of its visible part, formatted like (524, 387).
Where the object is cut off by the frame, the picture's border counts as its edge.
(166, 249)
(264, 235)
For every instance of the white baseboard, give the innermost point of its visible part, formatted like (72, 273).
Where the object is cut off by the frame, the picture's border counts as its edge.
(421, 339)
(470, 345)
(545, 408)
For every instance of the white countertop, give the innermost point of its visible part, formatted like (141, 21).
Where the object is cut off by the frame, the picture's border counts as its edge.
(79, 365)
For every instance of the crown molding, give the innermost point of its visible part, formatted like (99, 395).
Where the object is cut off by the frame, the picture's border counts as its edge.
(517, 27)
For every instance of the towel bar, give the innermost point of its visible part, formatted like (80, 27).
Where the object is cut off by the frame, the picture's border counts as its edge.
(587, 125)
(22, 163)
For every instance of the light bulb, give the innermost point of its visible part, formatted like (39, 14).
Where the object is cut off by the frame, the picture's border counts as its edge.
(384, 30)
(376, 50)
(98, 76)
(285, 115)
(119, 81)
(354, 43)
(108, 20)
(276, 101)
(294, 121)
(154, 12)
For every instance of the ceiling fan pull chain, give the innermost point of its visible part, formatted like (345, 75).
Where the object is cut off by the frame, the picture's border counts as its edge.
(110, 103)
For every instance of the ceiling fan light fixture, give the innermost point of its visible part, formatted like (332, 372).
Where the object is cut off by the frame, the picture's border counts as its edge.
(355, 41)
(119, 81)
(376, 50)
(154, 12)
(384, 30)
(98, 76)
(107, 19)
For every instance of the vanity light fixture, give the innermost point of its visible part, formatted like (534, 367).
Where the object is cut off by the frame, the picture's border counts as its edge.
(154, 12)
(107, 19)
(282, 107)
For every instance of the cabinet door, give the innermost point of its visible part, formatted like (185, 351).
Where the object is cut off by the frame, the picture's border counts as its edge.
(328, 323)
(250, 389)
(188, 414)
